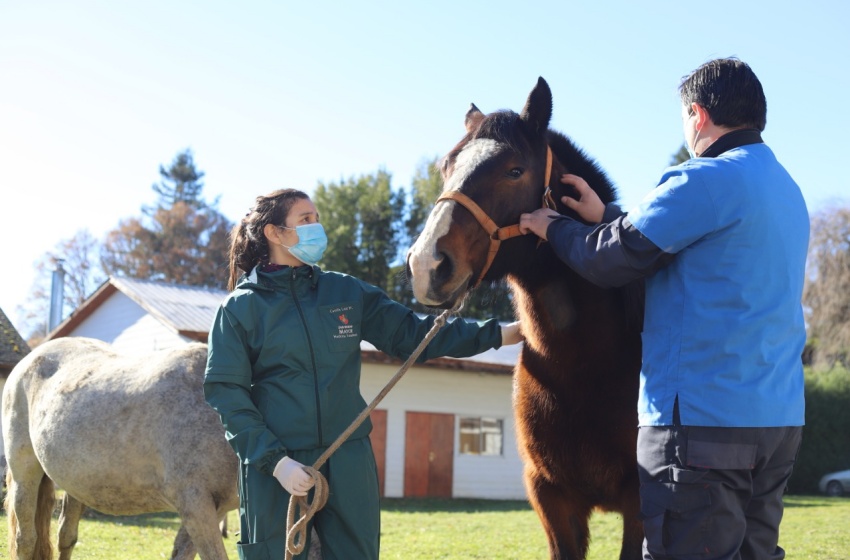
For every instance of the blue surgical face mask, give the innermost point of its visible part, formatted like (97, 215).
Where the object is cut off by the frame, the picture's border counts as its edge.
(692, 150)
(311, 245)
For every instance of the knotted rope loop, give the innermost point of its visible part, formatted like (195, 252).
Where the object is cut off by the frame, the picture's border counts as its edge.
(303, 510)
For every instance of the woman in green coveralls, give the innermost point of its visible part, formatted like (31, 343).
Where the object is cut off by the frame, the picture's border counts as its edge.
(283, 373)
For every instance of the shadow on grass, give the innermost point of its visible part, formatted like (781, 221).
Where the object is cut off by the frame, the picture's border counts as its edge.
(159, 520)
(457, 505)
(792, 502)
(162, 520)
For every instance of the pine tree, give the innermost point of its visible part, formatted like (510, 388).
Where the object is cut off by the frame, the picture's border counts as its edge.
(181, 182)
(182, 239)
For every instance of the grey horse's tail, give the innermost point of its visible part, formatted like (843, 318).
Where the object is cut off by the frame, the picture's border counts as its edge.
(43, 515)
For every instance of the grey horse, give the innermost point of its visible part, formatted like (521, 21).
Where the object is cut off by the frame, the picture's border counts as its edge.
(122, 435)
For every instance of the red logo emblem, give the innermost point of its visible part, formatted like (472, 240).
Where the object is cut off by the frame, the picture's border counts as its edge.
(343, 319)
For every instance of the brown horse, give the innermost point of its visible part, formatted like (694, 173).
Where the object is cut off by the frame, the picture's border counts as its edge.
(576, 380)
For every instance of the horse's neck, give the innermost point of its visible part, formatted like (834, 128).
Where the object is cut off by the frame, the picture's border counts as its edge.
(558, 308)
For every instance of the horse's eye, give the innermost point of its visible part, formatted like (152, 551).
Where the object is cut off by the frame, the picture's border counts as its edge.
(515, 173)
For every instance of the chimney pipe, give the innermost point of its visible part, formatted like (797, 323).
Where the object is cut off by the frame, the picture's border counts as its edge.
(57, 296)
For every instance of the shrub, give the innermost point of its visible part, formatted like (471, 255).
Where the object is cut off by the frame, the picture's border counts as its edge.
(826, 436)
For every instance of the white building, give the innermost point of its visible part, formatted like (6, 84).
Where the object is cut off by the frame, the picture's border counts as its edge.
(446, 429)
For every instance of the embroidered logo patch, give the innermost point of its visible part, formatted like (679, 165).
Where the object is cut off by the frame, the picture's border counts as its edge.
(344, 327)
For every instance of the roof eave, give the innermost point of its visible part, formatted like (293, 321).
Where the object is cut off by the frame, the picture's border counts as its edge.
(81, 313)
(378, 357)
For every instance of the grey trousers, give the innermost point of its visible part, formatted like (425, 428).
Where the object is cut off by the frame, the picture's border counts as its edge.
(714, 493)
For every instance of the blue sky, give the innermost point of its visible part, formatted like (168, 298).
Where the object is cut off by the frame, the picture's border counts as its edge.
(95, 95)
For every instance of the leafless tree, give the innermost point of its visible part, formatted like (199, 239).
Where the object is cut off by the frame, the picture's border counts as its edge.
(826, 296)
(79, 256)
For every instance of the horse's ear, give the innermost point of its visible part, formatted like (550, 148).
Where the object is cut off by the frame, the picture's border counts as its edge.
(538, 108)
(473, 118)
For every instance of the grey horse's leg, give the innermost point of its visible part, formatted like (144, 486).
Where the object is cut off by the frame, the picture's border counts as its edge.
(184, 548)
(315, 546)
(223, 526)
(200, 520)
(69, 522)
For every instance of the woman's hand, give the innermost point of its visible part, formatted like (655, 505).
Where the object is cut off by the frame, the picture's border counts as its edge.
(511, 333)
(293, 477)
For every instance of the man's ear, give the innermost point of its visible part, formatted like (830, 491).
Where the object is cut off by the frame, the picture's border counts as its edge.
(702, 115)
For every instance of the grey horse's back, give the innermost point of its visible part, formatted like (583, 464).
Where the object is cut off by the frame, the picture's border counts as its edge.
(122, 434)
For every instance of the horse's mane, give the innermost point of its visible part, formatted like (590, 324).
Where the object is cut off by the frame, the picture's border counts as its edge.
(504, 126)
(579, 163)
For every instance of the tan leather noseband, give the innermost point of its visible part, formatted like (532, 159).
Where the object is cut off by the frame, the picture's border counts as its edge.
(498, 234)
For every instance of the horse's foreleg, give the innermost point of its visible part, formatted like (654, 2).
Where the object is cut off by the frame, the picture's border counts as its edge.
(69, 522)
(632, 548)
(564, 518)
(632, 538)
(200, 520)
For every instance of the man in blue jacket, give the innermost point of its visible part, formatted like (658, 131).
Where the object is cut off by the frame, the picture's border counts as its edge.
(722, 243)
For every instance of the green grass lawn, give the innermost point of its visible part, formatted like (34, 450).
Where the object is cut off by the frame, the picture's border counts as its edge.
(814, 528)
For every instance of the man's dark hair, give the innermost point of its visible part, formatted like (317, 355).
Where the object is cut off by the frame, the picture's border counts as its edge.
(730, 92)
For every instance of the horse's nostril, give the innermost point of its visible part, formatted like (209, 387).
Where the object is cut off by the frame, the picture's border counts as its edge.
(445, 268)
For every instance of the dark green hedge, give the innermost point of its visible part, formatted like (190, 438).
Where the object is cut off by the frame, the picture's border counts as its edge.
(826, 436)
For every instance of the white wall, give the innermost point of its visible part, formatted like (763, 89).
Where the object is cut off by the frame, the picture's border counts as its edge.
(464, 394)
(129, 328)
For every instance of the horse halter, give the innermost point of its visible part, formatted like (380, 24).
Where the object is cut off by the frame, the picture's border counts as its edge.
(498, 234)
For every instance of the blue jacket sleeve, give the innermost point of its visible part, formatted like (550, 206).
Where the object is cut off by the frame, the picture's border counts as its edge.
(609, 254)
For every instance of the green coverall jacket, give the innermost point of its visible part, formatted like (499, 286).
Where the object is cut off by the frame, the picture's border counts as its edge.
(283, 370)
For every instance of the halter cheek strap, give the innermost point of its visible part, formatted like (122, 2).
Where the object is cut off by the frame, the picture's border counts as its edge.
(548, 201)
(498, 234)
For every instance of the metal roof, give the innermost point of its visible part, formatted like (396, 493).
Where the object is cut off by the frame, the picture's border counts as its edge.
(185, 308)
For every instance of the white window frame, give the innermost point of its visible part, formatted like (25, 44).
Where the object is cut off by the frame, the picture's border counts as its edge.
(490, 438)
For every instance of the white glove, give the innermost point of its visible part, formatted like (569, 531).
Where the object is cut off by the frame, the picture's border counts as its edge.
(511, 334)
(293, 477)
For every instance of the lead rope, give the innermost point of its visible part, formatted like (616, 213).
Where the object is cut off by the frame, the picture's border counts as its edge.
(296, 531)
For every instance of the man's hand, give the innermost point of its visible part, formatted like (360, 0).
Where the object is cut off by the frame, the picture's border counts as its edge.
(588, 205)
(293, 477)
(537, 222)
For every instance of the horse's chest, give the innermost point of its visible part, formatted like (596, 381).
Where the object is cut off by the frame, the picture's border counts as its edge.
(541, 405)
